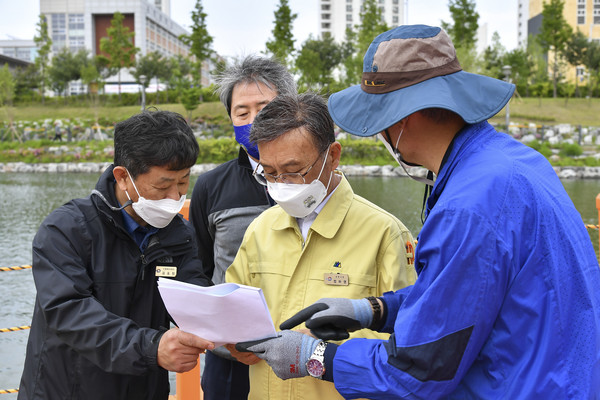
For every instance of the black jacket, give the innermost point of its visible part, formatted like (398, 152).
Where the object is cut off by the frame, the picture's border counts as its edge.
(98, 315)
(224, 202)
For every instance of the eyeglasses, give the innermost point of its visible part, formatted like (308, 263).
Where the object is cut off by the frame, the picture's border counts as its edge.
(295, 178)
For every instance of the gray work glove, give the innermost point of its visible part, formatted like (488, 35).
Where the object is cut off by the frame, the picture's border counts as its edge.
(333, 318)
(286, 354)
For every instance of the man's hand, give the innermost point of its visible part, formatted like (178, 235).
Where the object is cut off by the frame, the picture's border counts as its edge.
(178, 351)
(286, 354)
(333, 318)
(242, 356)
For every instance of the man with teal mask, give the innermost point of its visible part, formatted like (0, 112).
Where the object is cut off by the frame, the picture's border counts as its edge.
(226, 199)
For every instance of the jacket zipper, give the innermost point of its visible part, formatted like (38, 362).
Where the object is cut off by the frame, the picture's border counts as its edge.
(144, 263)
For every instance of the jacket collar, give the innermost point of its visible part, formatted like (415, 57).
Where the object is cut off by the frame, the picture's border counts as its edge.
(330, 218)
(243, 160)
(106, 186)
(467, 137)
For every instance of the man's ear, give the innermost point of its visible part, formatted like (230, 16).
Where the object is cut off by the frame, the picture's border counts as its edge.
(121, 176)
(336, 152)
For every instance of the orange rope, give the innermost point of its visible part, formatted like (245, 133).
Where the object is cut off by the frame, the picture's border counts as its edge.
(15, 268)
(15, 328)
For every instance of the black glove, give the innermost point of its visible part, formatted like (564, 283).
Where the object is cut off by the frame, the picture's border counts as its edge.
(333, 318)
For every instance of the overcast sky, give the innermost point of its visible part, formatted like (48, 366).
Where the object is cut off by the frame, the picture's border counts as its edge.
(242, 27)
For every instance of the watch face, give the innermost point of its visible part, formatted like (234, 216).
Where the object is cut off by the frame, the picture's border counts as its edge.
(315, 368)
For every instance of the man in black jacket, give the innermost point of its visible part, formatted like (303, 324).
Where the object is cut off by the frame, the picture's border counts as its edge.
(226, 199)
(99, 324)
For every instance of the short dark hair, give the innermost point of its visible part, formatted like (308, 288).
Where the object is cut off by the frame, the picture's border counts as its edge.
(439, 115)
(287, 112)
(155, 139)
(254, 69)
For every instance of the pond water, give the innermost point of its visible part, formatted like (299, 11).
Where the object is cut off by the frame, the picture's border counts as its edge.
(26, 199)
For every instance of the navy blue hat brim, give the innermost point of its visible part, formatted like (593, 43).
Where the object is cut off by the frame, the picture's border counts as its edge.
(474, 97)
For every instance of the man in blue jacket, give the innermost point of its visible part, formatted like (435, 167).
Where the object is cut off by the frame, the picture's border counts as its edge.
(507, 302)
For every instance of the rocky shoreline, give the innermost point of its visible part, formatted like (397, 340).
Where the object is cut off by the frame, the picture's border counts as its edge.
(349, 170)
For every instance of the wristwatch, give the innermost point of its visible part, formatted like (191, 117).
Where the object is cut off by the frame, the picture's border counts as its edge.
(315, 366)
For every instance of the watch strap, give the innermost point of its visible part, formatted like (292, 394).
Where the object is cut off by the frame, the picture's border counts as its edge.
(376, 313)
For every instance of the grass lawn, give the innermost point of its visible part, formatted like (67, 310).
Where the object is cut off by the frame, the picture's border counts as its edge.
(549, 111)
(39, 112)
(546, 111)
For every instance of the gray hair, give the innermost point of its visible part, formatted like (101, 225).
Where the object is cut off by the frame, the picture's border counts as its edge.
(288, 112)
(254, 69)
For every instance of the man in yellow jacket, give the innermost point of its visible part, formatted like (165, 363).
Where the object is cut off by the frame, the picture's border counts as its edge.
(321, 240)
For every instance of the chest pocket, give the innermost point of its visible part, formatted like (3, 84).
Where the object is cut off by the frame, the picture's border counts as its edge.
(272, 277)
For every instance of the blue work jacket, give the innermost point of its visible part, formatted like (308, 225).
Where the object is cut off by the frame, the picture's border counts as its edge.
(507, 302)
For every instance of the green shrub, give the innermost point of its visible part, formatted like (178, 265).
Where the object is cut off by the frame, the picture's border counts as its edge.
(570, 150)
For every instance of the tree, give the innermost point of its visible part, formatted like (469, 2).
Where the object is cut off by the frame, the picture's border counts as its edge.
(463, 31)
(66, 67)
(44, 44)
(7, 93)
(199, 40)
(348, 50)
(190, 98)
(179, 78)
(493, 58)
(371, 25)
(575, 53)
(522, 67)
(554, 35)
(281, 45)
(7, 86)
(26, 80)
(119, 46)
(316, 61)
(91, 77)
(151, 65)
(592, 63)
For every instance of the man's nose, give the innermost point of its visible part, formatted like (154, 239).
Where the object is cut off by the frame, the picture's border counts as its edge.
(174, 193)
(253, 114)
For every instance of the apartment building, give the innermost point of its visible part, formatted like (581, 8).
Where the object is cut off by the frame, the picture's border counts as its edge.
(80, 24)
(19, 49)
(337, 15)
(582, 15)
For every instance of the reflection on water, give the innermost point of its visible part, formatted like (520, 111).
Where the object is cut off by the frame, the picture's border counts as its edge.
(26, 199)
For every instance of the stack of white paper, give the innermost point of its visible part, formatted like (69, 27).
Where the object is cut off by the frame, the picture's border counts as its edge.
(225, 313)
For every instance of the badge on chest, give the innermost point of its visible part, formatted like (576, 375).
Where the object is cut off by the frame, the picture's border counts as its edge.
(336, 279)
(166, 272)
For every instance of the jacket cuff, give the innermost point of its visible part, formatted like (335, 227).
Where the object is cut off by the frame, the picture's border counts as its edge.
(390, 307)
(328, 357)
(152, 354)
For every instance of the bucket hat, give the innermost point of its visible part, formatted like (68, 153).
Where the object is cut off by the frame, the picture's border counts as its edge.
(410, 68)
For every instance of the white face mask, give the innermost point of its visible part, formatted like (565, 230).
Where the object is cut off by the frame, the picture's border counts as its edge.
(398, 157)
(299, 200)
(158, 213)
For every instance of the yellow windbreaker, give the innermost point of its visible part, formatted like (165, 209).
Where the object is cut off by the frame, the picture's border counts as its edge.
(349, 236)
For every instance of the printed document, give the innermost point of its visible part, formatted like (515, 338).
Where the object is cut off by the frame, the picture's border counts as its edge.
(225, 313)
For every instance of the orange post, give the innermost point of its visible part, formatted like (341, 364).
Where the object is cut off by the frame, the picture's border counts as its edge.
(185, 211)
(188, 383)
